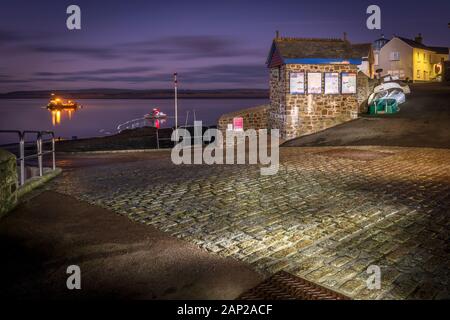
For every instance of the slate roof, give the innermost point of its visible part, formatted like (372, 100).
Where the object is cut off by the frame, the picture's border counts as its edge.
(296, 48)
(362, 49)
(415, 44)
(440, 50)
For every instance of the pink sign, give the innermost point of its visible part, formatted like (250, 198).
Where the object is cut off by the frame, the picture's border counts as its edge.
(238, 124)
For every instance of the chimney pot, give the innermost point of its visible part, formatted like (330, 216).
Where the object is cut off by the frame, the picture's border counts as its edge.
(419, 38)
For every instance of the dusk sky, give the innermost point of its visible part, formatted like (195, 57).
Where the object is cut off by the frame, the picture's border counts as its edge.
(211, 44)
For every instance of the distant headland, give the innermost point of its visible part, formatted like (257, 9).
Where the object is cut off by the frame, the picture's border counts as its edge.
(140, 94)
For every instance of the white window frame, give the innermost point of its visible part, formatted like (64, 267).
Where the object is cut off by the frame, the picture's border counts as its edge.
(394, 56)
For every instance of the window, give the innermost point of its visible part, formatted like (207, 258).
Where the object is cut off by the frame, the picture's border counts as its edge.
(394, 56)
(418, 74)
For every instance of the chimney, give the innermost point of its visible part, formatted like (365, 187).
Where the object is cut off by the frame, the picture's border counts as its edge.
(418, 38)
(345, 36)
(277, 34)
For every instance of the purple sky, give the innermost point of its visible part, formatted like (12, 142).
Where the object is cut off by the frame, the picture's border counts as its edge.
(211, 44)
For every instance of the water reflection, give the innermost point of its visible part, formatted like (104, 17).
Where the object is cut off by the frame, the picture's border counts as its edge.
(57, 114)
(58, 106)
(107, 114)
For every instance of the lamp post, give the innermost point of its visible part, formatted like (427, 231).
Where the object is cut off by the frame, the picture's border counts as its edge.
(175, 82)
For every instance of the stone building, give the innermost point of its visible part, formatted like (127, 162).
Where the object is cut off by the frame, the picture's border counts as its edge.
(412, 60)
(313, 83)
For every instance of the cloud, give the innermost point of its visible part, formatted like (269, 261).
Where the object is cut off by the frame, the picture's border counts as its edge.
(91, 52)
(248, 75)
(183, 47)
(157, 52)
(104, 71)
(12, 81)
(135, 74)
(174, 47)
(189, 47)
(122, 78)
(9, 36)
(4, 78)
(228, 73)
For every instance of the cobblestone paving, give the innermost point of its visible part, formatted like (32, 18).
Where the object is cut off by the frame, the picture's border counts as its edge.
(326, 216)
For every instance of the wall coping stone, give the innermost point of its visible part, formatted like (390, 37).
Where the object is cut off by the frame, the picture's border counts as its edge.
(6, 156)
(260, 108)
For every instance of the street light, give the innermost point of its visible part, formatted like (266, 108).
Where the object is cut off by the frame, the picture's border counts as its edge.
(175, 82)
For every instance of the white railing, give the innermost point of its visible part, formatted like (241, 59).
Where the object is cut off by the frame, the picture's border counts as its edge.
(40, 152)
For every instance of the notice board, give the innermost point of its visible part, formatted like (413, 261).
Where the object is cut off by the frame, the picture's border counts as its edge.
(297, 83)
(238, 124)
(314, 82)
(348, 82)
(331, 83)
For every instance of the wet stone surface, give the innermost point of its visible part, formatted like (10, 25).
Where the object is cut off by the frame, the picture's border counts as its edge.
(323, 217)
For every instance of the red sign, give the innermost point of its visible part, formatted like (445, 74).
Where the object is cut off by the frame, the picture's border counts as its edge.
(238, 124)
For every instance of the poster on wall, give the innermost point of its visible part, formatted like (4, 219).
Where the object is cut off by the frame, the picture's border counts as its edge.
(331, 83)
(348, 82)
(314, 82)
(238, 124)
(297, 83)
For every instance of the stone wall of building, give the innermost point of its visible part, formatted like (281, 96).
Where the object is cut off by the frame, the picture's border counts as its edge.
(254, 118)
(364, 88)
(278, 82)
(8, 182)
(301, 114)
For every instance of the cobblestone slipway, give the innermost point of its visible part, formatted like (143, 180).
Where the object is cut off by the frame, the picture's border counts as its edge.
(326, 216)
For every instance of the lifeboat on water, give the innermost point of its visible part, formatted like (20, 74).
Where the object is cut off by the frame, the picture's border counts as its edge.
(156, 114)
(60, 104)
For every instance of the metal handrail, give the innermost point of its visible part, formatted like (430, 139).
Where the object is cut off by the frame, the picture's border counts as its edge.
(39, 150)
(158, 139)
